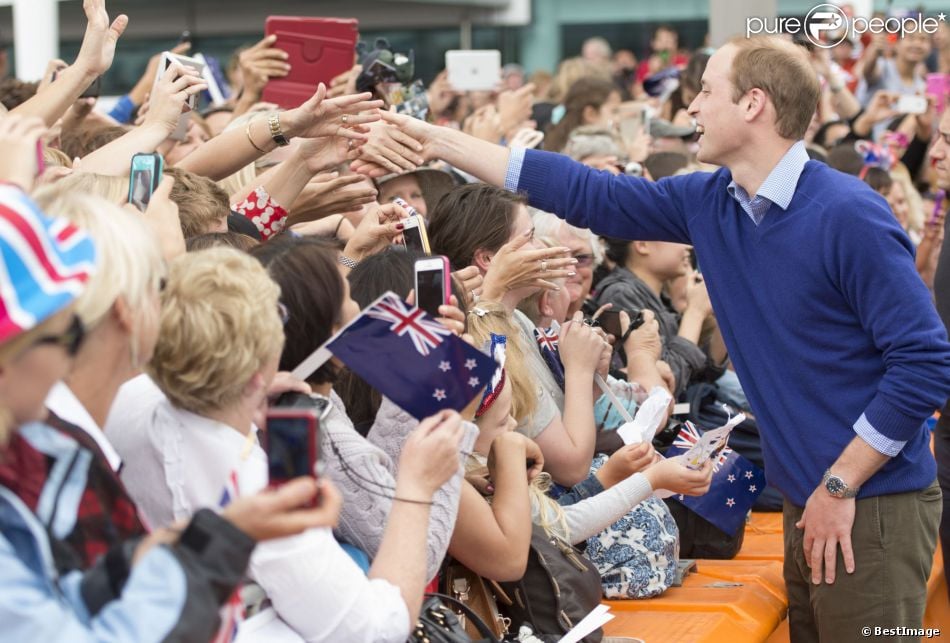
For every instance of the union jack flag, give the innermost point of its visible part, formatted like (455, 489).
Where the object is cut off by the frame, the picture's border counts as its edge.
(44, 263)
(425, 333)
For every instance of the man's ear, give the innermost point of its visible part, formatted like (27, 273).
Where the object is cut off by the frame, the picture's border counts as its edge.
(482, 259)
(756, 102)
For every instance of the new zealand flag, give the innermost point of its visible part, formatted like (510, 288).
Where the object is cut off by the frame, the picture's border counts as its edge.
(409, 357)
(548, 345)
(736, 483)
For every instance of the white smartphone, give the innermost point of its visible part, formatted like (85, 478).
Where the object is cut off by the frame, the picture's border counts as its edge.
(181, 131)
(909, 104)
(473, 70)
(432, 284)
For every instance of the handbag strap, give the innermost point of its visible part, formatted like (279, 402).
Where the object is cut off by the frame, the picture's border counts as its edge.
(476, 620)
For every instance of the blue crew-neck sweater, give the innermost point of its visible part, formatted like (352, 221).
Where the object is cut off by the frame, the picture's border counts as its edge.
(822, 310)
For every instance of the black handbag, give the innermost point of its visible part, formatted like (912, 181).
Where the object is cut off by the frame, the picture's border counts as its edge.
(439, 623)
(559, 588)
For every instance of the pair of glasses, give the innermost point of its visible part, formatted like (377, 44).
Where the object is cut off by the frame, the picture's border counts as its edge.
(70, 339)
(584, 260)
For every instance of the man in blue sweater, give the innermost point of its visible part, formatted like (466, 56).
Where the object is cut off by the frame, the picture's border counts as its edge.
(832, 333)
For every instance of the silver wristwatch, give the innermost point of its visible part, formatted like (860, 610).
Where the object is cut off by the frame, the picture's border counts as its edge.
(838, 487)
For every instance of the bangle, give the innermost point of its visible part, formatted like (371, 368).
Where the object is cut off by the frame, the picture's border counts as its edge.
(247, 130)
(413, 502)
(276, 132)
(346, 261)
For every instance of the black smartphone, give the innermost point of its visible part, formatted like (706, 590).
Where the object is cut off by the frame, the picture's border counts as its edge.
(292, 444)
(610, 321)
(144, 176)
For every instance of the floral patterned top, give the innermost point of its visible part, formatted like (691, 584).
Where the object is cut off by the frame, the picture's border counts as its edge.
(264, 212)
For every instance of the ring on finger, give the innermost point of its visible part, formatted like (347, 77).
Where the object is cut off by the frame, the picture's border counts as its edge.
(346, 117)
(544, 265)
(474, 297)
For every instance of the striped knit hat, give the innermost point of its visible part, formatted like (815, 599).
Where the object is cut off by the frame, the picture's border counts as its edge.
(45, 263)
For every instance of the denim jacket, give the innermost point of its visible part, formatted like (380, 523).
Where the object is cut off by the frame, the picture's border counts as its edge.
(171, 593)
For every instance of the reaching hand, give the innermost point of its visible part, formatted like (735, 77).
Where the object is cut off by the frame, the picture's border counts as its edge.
(470, 283)
(326, 153)
(322, 116)
(18, 140)
(328, 194)
(282, 512)
(390, 148)
(485, 124)
(345, 83)
(376, 231)
(423, 133)
(514, 108)
(98, 43)
(259, 64)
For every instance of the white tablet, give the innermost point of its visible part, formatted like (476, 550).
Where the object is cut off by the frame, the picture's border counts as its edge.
(473, 69)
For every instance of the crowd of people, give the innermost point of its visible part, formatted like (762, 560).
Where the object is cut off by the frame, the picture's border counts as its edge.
(704, 195)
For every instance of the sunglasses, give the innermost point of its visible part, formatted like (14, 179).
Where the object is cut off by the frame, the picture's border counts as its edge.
(70, 339)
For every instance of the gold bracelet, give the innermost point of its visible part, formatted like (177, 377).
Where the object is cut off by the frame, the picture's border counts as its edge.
(247, 130)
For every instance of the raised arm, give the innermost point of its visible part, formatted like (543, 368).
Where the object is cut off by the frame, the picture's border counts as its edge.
(226, 153)
(95, 57)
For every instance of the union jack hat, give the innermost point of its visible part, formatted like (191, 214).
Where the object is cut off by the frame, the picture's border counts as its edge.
(496, 348)
(45, 263)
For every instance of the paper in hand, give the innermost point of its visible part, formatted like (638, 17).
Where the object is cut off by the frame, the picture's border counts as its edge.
(710, 443)
(649, 416)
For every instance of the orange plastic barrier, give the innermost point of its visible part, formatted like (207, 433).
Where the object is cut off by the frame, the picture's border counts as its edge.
(741, 600)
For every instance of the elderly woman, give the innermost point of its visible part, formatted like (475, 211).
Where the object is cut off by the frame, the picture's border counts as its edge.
(190, 437)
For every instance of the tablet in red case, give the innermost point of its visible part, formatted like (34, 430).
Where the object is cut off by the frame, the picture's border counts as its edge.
(319, 48)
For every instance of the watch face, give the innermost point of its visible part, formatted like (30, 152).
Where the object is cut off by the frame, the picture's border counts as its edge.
(835, 485)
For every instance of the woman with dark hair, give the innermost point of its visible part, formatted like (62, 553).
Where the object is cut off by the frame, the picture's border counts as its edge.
(589, 101)
(318, 303)
(490, 228)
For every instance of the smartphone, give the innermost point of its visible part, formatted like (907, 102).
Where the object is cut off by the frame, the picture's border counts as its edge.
(292, 443)
(414, 234)
(610, 321)
(181, 131)
(473, 70)
(911, 104)
(144, 177)
(432, 283)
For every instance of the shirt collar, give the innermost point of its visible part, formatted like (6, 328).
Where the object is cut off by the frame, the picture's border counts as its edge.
(779, 186)
(64, 403)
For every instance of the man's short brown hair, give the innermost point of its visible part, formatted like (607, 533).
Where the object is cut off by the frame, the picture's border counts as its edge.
(780, 69)
(202, 205)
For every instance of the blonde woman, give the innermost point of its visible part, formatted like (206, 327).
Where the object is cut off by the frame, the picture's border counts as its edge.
(193, 435)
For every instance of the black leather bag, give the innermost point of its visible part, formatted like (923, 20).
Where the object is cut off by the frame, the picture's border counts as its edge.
(559, 588)
(438, 622)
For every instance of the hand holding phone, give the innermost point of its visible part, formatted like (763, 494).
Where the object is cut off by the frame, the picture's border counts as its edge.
(432, 284)
(908, 104)
(414, 229)
(292, 440)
